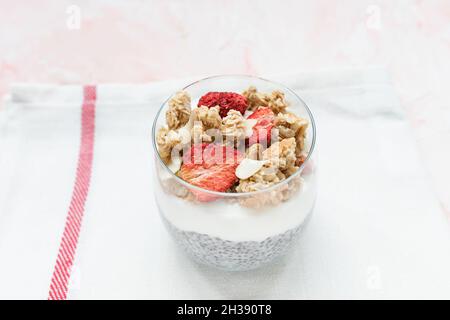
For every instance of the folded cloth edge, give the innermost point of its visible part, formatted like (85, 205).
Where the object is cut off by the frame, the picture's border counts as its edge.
(56, 93)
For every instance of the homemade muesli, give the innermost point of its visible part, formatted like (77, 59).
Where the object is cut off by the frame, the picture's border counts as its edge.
(234, 143)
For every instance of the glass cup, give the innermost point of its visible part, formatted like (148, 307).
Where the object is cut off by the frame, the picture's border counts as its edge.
(237, 231)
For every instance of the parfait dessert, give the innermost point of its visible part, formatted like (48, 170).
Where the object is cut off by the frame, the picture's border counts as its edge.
(235, 172)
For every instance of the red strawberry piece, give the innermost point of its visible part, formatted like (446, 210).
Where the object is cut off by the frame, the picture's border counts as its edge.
(211, 167)
(263, 128)
(225, 100)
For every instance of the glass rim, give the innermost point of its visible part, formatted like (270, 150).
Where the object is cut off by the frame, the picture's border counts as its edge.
(236, 194)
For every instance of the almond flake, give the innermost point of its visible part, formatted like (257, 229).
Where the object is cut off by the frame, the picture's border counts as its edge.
(248, 167)
(185, 134)
(249, 124)
(175, 164)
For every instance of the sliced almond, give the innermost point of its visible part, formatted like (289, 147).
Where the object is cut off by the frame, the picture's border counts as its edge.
(249, 167)
(185, 134)
(175, 164)
(249, 124)
(172, 135)
(247, 113)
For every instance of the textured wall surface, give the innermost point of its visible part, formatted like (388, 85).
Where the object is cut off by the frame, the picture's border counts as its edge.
(139, 41)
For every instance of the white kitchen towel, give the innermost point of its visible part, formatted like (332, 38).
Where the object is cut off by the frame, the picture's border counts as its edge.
(377, 230)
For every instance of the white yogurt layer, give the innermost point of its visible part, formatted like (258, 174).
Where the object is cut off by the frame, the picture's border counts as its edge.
(231, 221)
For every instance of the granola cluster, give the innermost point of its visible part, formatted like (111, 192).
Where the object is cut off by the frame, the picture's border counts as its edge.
(275, 100)
(255, 151)
(209, 117)
(273, 197)
(279, 164)
(233, 126)
(268, 146)
(204, 120)
(179, 110)
(166, 140)
(290, 125)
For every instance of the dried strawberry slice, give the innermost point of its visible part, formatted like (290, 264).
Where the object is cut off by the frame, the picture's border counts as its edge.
(262, 130)
(225, 100)
(211, 167)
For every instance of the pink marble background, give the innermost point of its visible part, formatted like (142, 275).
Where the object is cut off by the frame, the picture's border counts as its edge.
(140, 41)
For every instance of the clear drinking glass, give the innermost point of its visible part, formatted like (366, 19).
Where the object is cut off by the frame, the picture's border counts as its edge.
(237, 231)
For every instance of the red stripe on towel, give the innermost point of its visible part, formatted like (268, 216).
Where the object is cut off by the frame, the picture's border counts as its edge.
(68, 245)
